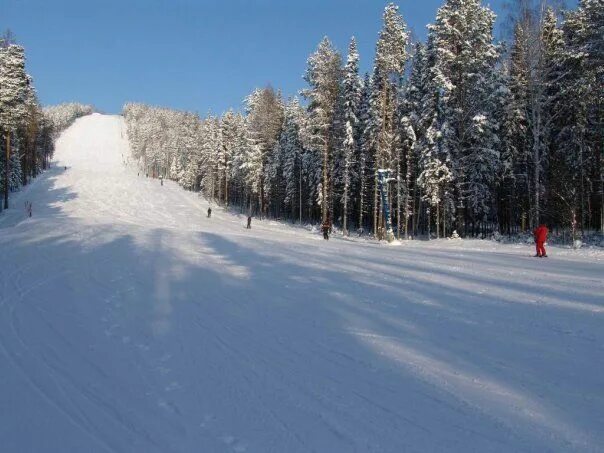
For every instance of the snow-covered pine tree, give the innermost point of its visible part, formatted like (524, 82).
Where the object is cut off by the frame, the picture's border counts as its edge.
(418, 105)
(44, 146)
(61, 116)
(351, 95)
(16, 173)
(435, 174)
(230, 143)
(264, 122)
(533, 67)
(237, 144)
(210, 146)
(291, 151)
(13, 91)
(405, 163)
(29, 131)
(464, 59)
(368, 133)
(576, 156)
(515, 172)
(323, 75)
(390, 59)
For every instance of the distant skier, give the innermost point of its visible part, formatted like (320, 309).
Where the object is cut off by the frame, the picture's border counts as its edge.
(249, 222)
(326, 228)
(209, 212)
(161, 180)
(28, 208)
(540, 234)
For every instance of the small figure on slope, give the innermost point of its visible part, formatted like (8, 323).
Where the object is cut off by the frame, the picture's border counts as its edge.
(209, 212)
(326, 228)
(249, 222)
(540, 234)
(161, 180)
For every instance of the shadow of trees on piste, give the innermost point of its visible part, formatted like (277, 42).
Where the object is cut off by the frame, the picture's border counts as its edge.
(122, 337)
(48, 199)
(452, 350)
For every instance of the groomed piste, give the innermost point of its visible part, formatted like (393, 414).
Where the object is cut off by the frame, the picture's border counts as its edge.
(130, 322)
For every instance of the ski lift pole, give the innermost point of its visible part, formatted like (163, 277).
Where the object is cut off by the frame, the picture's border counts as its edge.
(383, 180)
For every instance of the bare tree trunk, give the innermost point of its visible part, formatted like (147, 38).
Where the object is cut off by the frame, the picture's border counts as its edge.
(444, 226)
(362, 194)
(417, 206)
(582, 193)
(261, 194)
(398, 199)
(407, 193)
(380, 218)
(375, 204)
(537, 163)
(226, 183)
(7, 170)
(437, 220)
(324, 204)
(345, 207)
(601, 197)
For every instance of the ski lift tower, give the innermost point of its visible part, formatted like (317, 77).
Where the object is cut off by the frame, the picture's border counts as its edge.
(383, 183)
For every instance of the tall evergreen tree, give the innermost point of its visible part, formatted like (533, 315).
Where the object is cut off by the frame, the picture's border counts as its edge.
(13, 91)
(292, 151)
(390, 59)
(323, 76)
(351, 94)
(577, 90)
(264, 123)
(464, 71)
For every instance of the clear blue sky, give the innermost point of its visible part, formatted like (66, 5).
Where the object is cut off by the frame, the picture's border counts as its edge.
(192, 55)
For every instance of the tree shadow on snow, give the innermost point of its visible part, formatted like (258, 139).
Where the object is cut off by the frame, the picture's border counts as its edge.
(435, 346)
(321, 348)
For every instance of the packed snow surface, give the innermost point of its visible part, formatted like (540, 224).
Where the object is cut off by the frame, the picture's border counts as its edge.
(131, 322)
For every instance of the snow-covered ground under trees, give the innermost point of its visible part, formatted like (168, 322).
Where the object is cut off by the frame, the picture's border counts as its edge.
(130, 322)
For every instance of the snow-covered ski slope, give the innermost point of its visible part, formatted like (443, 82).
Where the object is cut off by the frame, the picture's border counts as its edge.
(130, 322)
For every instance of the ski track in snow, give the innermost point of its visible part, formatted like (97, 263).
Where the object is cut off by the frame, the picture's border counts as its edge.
(130, 322)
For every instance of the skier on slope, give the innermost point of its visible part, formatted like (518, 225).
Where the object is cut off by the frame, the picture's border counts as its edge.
(326, 228)
(540, 234)
(209, 212)
(249, 222)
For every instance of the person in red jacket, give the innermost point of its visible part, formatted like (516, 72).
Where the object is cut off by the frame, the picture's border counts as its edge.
(540, 234)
